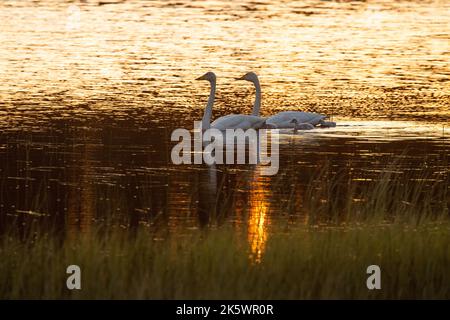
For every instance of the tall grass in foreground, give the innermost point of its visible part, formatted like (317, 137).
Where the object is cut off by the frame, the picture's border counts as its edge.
(305, 264)
(401, 226)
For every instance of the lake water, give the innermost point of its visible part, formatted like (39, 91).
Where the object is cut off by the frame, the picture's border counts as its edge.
(90, 92)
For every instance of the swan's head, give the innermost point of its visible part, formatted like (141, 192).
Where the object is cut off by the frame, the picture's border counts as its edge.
(209, 76)
(249, 76)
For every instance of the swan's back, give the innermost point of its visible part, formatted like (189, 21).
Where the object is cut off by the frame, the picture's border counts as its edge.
(238, 121)
(301, 117)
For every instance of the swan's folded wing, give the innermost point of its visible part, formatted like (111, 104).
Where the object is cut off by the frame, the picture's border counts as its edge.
(237, 121)
(283, 119)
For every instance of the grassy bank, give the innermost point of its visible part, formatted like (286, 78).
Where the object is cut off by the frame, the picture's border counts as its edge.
(308, 263)
(400, 223)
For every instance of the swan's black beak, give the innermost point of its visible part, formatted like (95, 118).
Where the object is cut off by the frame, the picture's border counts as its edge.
(241, 78)
(201, 78)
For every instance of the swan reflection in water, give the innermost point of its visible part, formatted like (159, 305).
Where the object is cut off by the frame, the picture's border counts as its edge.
(207, 195)
(220, 190)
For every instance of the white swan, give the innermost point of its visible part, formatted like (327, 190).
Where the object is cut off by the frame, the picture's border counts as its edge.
(231, 121)
(284, 119)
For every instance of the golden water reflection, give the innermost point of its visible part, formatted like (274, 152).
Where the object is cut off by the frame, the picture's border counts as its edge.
(258, 219)
(369, 59)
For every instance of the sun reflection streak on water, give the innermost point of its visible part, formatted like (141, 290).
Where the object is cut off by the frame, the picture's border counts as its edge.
(258, 221)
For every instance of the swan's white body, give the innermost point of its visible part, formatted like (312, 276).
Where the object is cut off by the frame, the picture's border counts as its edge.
(283, 120)
(231, 121)
(238, 121)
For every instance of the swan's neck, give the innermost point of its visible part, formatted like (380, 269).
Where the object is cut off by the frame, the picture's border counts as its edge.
(206, 120)
(257, 104)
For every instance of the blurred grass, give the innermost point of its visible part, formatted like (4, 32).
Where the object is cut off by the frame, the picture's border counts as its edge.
(306, 263)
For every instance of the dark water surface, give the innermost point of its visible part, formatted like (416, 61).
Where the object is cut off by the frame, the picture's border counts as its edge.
(91, 91)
